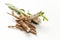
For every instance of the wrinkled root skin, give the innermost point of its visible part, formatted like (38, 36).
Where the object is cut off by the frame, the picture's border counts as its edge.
(24, 23)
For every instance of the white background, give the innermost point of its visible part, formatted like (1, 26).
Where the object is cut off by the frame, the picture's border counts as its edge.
(45, 31)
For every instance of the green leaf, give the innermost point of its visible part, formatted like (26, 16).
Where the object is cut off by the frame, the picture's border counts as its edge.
(22, 10)
(42, 15)
(45, 18)
(28, 13)
(12, 7)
